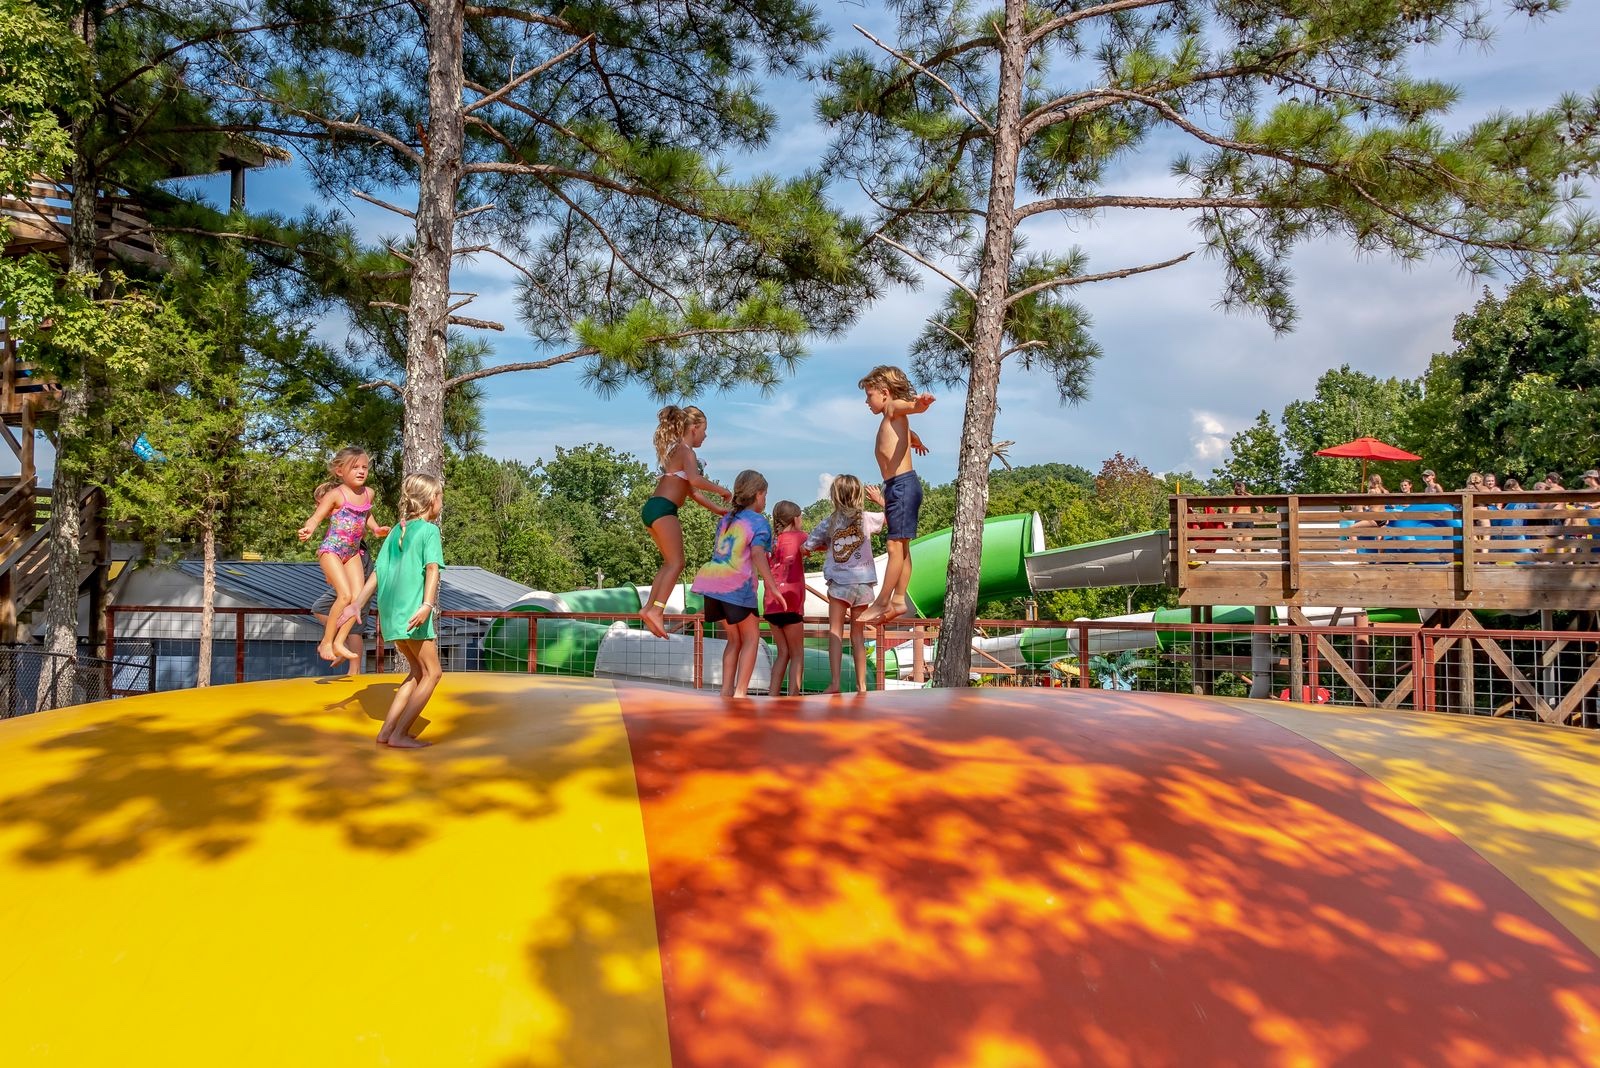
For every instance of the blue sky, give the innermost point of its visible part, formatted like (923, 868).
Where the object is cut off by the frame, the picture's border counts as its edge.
(1178, 378)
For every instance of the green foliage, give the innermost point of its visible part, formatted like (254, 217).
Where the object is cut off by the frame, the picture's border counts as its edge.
(494, 518)
(1256, 457)
(1119, 672)
(643, 256)
(563, 522)
(1042, 330)
(44, 80)
(1519, 395)
(1282, 124)
(1074, 507)
(1521, 391)
(1348, 404)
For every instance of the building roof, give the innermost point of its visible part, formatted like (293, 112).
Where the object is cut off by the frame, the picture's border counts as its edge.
(298, 584)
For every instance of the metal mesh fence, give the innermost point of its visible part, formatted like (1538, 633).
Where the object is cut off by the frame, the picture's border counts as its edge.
(1550, 676)
(29, 675)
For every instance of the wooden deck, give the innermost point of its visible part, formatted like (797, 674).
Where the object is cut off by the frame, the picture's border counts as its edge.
(42, 222)
(1449, 550)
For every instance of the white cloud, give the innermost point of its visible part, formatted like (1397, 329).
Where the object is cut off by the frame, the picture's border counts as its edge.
(1209, 443)
(824, 485)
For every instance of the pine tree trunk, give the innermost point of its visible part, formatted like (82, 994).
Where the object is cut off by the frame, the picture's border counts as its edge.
(438, 184)
(56, 685)
(208, 600)
(983, 381)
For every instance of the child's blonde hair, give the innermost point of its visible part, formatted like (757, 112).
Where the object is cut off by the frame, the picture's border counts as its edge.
(672, 426)
(745, 488)
(890, 378)
(847, 496)
(417, 494)
(784, 513)
(344, 458)
(337, 466)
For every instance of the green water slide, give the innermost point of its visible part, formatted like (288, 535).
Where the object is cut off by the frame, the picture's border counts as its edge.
(1008, 540)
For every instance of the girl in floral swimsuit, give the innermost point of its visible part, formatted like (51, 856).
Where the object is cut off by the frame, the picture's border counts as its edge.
(346, 502)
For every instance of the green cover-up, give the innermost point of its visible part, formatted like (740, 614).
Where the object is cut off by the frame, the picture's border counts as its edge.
(402, 571)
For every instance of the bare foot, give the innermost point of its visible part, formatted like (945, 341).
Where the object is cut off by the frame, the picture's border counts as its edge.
(873, 613)
(325, 651)
(344, 654)
(652, 622)
(405, 741)
(831, 689)
(892, 611)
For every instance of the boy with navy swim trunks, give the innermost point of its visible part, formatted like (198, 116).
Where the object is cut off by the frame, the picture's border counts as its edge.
(889, 394)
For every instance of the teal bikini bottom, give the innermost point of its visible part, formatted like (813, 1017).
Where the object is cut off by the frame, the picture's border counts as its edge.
(655, 508)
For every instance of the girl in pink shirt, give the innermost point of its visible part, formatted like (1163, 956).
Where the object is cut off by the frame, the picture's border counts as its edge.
(786, 598)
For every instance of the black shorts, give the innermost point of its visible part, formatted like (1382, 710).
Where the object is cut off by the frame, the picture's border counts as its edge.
(784, 619)
(721, 611)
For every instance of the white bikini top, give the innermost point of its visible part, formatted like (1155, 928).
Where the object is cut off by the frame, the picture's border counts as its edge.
(677, 474)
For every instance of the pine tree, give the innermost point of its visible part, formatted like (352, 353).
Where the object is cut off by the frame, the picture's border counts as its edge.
(1282, 123)
(578, 145)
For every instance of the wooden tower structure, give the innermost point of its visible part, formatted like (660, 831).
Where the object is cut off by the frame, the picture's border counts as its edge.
(41, 222)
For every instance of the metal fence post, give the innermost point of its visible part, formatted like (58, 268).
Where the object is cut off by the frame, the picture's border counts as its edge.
(533, 642)
(1083, 656)
(111, 650)
(238, 646)
(700, 653)
(878, 655)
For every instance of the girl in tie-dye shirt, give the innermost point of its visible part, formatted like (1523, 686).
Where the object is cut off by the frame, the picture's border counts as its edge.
(728, 582)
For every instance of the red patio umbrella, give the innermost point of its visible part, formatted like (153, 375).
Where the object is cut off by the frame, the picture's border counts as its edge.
(1365, 449)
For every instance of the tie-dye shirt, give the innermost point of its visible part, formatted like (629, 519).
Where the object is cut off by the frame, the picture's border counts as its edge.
(730, 577)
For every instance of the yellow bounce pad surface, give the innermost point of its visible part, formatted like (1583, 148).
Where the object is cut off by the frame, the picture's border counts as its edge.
(258, 883)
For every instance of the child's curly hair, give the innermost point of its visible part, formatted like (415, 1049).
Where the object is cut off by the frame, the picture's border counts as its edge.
(888, 377)
(672, 426)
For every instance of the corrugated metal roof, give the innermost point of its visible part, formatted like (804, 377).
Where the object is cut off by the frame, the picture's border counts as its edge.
(276, 584)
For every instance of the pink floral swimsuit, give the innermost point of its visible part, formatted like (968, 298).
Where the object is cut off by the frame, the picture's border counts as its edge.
(345, 527)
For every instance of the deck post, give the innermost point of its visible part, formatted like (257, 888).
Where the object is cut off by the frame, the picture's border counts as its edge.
(1178, 565)
(1195, 616)
(1297, 662)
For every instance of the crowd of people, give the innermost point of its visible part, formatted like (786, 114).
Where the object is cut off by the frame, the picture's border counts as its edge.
(1497, 498)
(1482, 482)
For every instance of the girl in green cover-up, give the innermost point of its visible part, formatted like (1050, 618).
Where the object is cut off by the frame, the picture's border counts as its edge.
(406, 576)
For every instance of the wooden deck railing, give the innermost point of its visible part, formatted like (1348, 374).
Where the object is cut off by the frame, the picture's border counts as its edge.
(1514, 551)
(41, 221)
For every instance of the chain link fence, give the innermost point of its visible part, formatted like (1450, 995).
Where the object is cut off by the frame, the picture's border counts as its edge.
(28, 674)
(1547, 676)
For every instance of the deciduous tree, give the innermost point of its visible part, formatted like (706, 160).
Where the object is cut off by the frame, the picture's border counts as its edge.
(1521, 391)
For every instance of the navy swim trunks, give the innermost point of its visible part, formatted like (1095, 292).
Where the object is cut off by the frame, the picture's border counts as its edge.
(902, 500)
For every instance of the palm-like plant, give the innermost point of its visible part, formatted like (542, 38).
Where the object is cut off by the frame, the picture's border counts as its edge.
(1119, 672)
